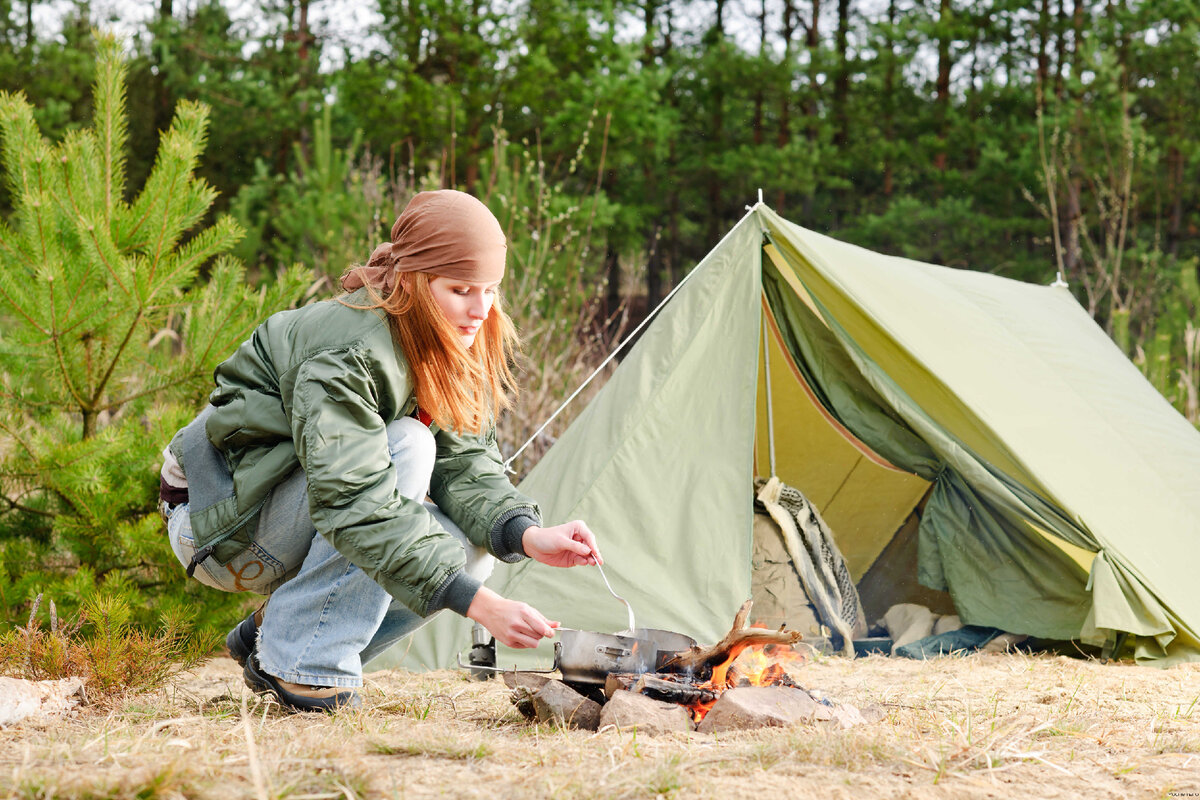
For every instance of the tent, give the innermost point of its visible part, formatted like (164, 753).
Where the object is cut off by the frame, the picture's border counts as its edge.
(965, 436)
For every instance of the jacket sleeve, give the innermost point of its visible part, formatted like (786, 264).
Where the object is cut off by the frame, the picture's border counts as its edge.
(469, 484)
(341, 442)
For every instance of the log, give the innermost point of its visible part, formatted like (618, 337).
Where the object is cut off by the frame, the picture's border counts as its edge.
(616, 681)
(698, 661)
(672, 691)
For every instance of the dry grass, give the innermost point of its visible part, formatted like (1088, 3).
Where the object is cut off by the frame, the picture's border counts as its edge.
(986, 726)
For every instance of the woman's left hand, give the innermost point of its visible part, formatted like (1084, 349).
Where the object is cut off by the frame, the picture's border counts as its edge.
(568, 545)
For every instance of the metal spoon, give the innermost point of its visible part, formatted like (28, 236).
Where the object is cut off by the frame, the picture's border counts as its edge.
(629, 608)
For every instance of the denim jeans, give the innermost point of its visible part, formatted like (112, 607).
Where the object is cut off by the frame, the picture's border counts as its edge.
(326, 617)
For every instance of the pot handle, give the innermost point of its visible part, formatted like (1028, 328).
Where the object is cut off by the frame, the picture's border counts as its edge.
(614, 652)
(484, 668)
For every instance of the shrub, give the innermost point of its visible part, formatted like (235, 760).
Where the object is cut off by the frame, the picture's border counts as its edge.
(101, 645)
(108, 342)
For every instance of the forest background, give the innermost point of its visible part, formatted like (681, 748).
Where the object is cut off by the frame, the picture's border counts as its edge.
(617, 140)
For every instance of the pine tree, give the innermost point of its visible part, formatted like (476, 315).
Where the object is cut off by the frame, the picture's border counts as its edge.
(114, 309)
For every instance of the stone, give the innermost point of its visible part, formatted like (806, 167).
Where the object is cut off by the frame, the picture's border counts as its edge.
(873, 713)
(528, 680)
(749, 707)
(628, 710)
(847, 716)
(559, 704)
(22, 699)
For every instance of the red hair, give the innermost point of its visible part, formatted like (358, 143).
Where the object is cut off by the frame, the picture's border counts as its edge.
(463, 389)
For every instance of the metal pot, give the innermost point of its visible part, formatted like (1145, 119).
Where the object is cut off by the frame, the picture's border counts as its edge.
(667, 643)
(586, 657)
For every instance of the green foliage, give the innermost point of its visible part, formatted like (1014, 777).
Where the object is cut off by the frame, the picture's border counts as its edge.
(101, 645)
(60, 69)
(550, 284)
(1169, 351)
(115, 313)
(260, 86)
(328, 211)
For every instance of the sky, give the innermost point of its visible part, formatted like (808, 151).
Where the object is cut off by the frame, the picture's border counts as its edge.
(341, 22)
(347, 22)
(346, 25)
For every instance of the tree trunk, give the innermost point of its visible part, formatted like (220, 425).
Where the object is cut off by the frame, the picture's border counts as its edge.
(671, 248)
(841, 82)
(1175, 184)
(759, 95)
(1062, 50)
(1072, 210)
(942, 95)
(654, 287)
(1115, 6)
(650, 175)
(889, 104)
(302, 56)
(649, 12)
(612, 288)
(164, 107)
(784, 137)
(716, 138)
(812, 42)
(1043, 46)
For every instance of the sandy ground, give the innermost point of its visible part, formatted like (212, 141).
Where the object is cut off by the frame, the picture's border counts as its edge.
(984, 726)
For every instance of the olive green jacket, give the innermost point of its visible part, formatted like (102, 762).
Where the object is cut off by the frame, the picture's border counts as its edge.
(315, 388)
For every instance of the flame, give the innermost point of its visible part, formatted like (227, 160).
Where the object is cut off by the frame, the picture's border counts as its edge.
(755, 665)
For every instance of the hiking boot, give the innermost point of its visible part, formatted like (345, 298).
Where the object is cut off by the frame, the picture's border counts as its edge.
(243, 639)
(295, 696)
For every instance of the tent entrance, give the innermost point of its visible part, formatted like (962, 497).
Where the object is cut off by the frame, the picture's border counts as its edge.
(871, 506)
(864, 499)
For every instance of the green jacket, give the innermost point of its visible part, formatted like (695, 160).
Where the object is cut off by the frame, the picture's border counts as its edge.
(315, 388)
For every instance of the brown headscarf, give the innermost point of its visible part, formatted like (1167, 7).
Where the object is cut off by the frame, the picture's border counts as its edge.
(445, 233)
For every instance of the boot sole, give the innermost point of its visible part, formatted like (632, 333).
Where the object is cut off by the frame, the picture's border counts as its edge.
(263, 683)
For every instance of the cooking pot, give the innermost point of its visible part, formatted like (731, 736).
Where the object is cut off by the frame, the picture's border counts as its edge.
(587, 657)
(667, 643)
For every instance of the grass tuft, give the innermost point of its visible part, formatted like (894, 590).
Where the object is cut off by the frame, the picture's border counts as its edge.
(454, 751)
(99, 644)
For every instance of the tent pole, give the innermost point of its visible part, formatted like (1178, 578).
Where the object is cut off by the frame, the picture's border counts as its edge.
(770, 409)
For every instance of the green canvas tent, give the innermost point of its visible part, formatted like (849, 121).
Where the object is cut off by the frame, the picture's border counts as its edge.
(972, 434)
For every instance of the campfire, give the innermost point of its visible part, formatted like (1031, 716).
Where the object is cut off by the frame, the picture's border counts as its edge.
(696, 678)
(751, 678)
(754, 665)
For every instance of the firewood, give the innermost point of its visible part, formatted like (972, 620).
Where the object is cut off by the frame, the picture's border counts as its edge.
(699, 660)
(616, 681)
(672, 691)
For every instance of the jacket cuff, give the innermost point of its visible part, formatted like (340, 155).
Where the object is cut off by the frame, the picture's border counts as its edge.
(455, 593)
(506, 534)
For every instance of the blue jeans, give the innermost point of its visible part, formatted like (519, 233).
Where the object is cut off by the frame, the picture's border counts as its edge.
(326, 616)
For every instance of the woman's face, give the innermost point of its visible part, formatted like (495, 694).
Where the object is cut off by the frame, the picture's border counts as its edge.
(465, 303)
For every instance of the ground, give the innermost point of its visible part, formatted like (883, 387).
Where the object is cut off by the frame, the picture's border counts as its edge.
(984, 726)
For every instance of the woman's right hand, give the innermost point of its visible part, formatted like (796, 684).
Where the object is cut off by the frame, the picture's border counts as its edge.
(514, 624)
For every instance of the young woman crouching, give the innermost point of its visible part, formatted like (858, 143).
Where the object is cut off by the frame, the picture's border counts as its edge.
(306, 477)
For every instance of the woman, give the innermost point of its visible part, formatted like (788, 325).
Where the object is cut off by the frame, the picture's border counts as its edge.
(305, 477)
